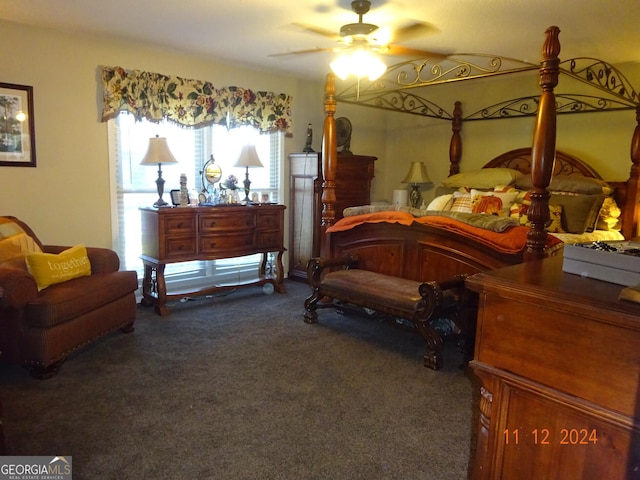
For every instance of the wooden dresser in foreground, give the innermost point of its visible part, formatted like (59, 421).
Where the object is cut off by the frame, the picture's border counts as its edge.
(558, 357)
(171, 235)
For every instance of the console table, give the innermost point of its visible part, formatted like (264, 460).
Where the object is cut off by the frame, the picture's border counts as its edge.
(558, 357)
(171, 235)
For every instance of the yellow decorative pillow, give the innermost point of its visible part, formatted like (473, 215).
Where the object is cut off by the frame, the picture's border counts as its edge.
(49, 268)
(17, 246)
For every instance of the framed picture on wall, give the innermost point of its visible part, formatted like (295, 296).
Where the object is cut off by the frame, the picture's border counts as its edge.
(17, 135)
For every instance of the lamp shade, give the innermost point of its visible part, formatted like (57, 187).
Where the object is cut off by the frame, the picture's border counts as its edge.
(248, 157)
(158, 152)
(417, 174)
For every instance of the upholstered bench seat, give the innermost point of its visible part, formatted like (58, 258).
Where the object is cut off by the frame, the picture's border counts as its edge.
(398, 297)
(371, 290)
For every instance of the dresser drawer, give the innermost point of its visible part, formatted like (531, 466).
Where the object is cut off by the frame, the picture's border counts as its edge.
(221, 244)
(176, 247)
(268, 221)
(179, 224)
(208, 223)
(269, 239)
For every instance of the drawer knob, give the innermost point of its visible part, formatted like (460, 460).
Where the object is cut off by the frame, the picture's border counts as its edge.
(212, 224)
(212, 245)
(180, 225)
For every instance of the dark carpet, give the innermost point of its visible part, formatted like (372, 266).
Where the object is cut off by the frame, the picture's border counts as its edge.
(239, 387)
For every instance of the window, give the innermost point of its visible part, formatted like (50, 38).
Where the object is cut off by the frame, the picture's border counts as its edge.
(136, 186)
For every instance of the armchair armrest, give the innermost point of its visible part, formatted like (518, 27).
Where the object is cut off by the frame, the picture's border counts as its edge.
(103, 260)
(17, 287)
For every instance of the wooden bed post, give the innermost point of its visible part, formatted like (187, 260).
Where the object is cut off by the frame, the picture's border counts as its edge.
(544, 146)
(330, 162)
(631, 210)
(455, 147)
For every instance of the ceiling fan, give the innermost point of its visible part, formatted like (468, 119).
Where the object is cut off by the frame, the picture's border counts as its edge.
(377, 39)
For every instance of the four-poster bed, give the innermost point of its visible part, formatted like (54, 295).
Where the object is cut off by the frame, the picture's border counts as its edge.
(556, 354)
(613, 92)
(441, 254)
(437, 246)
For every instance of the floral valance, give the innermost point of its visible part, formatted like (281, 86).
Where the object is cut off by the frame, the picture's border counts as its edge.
(191, 103)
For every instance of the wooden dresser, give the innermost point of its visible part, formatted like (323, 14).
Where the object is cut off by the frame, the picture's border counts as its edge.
(353, 187)
(172, 235)
(558, 357)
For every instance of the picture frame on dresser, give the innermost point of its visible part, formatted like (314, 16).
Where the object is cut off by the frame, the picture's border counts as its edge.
(175, 197)
(17, 131)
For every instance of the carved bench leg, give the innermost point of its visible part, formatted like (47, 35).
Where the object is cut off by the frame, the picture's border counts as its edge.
(433, 354)
(310, 306)
(432, 360)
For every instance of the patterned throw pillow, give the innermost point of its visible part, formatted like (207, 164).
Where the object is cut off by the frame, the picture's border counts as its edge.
(554, 224)
(461, 202)
(493, 203)
(14, 242)
(17, 246)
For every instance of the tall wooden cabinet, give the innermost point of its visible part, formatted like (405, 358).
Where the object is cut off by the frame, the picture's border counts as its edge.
(353, 187)
(558, 356)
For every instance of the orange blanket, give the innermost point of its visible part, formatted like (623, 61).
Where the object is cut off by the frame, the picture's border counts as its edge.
(511, 241)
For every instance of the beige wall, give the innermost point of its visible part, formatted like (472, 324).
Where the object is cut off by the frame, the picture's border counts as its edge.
(66, 199)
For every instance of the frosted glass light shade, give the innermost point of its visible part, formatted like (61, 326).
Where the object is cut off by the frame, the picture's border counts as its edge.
(361, 63)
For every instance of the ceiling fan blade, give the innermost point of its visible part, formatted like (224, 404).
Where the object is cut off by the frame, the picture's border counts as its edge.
(303, 52)
(318, 30)
(412, 52)
(413, 31)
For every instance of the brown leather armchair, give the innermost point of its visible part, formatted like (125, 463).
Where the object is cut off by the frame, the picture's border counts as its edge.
(39, 329)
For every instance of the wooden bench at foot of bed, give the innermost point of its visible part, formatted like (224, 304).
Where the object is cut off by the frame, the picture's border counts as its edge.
(418, 302)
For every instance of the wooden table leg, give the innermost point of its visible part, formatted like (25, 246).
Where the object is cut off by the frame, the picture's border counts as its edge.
(279, 281)
(161, 286)
(154, 287)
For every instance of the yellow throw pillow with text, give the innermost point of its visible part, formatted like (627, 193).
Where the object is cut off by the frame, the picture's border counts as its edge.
(49, 268)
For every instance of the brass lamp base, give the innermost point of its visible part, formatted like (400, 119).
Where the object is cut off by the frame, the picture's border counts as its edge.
(415, 197)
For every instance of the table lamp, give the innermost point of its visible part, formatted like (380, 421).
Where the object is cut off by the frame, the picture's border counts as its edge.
(159, 153)
(249, 159)
(417, 176)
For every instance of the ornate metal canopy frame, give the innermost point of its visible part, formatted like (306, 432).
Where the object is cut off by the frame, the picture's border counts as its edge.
(404, 87)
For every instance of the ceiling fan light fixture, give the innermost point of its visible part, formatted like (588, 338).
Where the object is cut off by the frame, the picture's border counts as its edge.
(361, 63)
(341, 66)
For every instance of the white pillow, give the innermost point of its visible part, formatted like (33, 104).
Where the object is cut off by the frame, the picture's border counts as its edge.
(441, 203)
